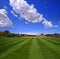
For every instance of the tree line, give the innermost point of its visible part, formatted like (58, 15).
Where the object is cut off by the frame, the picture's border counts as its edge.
(7, 33)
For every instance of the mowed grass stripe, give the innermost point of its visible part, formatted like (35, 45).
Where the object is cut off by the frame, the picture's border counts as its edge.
(35, 52)
(52, 45)
(11, 41)
(53, 40)
(6, 40)
(47, 51)
(20, 53)
(14, 48)
(31, 48)
(4, 48)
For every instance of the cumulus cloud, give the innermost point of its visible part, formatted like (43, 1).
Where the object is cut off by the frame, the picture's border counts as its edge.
(4, 20)
(28, 12)
(14, 13)
(47, 24)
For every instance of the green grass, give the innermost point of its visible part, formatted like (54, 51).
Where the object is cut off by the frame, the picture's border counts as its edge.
(29, 48)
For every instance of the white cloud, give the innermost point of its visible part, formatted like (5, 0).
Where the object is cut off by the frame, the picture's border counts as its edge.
(5, 7)
(26, 22)
(56, 26)
(47, 24)
(30, 33)
(4, 20)
(14, 13)
(28, 12)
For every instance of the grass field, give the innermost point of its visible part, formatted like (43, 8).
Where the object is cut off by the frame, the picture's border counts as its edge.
(29, 48)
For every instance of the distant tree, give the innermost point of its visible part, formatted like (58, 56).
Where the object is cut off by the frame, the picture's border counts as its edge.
(22, 35)
(14, 35)
(56, 33)
(6, 33)
(42, 34)
(1, 33)
(18, 34)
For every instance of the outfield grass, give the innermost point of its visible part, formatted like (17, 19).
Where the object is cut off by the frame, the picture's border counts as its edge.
(29, 48)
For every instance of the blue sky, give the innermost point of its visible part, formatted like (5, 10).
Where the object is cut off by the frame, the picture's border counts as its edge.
(50, 9)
